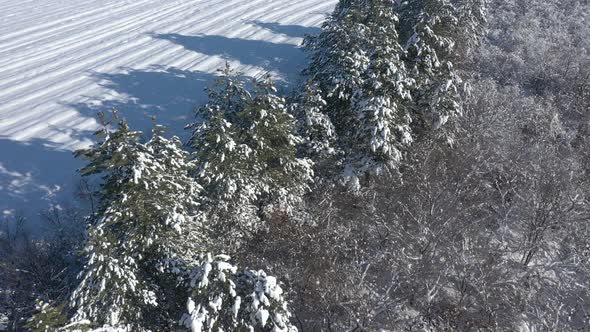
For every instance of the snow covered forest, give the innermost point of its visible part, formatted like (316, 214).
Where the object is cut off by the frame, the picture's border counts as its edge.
(351, 165)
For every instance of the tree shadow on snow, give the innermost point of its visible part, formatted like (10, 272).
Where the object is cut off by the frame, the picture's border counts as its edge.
(38, 173)
(170, 95)
(296, 31)
(35, 176)
(286, 59)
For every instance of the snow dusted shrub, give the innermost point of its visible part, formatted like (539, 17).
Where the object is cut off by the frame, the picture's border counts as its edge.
(226, 299)
(38, 268)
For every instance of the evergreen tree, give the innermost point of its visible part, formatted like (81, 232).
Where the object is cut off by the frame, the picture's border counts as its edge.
(246, 156)
(270, 131)
(378, 92)
(223, 162)
(339, 58)
(438, 34)
(314, 125)
(226, 299)
(380, 105)
(357, 65)
(144, 223)
(472, 23)
(430, 50)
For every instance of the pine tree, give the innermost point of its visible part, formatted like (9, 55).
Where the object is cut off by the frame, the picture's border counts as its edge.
(472, 23)
(357, 65)
(246, 156)
(314, 125)
(380, 106)
(222, 160)
(224, 298)
(379, 94)
(144, 223)
(283, 178)
(339, 58)
(439, 34)
(430, 51)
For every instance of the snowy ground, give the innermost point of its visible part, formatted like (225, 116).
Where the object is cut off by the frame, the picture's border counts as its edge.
(62, 61)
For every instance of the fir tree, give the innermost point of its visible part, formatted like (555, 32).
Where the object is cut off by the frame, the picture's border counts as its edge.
(245, 152)
(439, 34)
(380, 105)
(270, 131)
(222, 160)
(314, 125)
(357, 65)
(339, 58)
(472, 23)
(224, 298)
(144, 223)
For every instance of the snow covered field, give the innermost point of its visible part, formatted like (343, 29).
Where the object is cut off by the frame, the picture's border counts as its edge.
(62, 61)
